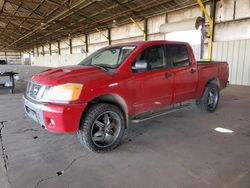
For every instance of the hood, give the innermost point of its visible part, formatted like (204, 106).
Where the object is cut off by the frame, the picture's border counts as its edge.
(72, 74)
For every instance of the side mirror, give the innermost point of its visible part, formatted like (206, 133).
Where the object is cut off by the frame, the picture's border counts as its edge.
(140, 66)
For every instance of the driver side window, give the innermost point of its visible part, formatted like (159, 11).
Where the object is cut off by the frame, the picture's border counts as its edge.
(154, 56)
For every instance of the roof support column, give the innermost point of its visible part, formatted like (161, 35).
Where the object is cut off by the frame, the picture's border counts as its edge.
(5, 53)
(213, 12)
(86, 43)
(211, 28)
(109, 36)
(59, 48)
(146, 29)
(50, 52)
(70, 46)
(203, 37)
(139, 27)
(43, 50)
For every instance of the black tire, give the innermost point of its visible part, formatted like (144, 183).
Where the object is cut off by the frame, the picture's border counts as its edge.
(105, 135)
(210, 99)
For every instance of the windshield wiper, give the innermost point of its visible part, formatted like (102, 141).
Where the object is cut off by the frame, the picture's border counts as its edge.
(107, 66)
(100, 67)
(103, 66)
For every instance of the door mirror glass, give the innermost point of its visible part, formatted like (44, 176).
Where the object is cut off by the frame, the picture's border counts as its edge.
(140, 66)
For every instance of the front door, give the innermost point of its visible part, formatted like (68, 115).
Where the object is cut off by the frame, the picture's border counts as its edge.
(154, 86)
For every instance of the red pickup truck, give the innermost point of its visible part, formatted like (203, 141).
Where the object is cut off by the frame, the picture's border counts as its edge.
(134, 81)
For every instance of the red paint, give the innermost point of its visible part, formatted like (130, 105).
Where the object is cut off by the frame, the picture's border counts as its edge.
(140, 91)
(66, 117)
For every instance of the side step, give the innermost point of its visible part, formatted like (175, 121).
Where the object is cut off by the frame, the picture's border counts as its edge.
(148, 116)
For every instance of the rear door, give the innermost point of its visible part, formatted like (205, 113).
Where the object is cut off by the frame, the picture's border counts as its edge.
(184, 72)
(154, 86)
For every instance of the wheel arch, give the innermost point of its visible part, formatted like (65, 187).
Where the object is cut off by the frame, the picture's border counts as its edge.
(113, 99)
(202, 86)
(213, 81)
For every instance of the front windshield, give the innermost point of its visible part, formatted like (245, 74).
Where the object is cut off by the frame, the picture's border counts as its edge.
(110, 57)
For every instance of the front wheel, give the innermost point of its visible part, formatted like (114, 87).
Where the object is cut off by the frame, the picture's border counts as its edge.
(210, 98)
(102, 127)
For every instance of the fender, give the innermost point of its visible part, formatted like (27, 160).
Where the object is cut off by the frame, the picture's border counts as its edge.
(112, 99)
(201, 87)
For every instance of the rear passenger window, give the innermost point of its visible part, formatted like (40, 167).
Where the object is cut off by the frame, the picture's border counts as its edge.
(178, 55)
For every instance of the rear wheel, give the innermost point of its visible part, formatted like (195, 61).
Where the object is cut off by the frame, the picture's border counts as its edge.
(210, 98)
(102, 128)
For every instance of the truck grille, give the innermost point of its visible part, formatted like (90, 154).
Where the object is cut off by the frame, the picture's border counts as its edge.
(33, 89)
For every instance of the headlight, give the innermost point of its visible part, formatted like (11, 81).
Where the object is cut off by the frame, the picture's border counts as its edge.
(65, 92)
(42, 94)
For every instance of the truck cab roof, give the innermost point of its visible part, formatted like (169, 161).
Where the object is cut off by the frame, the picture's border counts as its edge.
(149, 43)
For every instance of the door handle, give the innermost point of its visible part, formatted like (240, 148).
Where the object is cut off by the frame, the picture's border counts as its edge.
(167, 75)
(193, 71)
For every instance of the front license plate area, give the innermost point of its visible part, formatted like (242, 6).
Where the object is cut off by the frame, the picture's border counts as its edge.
(31, 113)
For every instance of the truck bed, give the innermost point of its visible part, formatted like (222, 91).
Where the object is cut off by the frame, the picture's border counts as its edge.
(213, 69)
(210, 62)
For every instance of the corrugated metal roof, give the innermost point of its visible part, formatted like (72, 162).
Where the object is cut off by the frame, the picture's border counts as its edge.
(25, 23)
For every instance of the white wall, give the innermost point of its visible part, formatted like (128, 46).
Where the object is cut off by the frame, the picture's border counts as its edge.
(12, 57)
(237, 54)
(232, 39)
(227, 29)
(58, 60)
(237, 30)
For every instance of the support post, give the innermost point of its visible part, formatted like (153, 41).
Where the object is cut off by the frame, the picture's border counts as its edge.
(86, 43)
(70, 46)
(59, 48)
(203, 37)
(109, 36)
(146, 29)
(213, 12)
(211, 27)
(43, 50)
(5, 53)
(102, 33)
(140, 28)
(50, 52)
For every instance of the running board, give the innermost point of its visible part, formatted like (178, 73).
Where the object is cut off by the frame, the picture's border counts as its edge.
(146, 117)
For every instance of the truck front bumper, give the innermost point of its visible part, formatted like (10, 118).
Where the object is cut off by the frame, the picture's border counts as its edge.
(60, 118)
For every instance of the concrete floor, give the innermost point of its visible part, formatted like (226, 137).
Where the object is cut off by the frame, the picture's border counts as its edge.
(179, 150)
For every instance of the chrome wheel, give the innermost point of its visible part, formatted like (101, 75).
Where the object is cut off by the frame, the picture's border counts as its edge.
(106, 129)
(212, 98)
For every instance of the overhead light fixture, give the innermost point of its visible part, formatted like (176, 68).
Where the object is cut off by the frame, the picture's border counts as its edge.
(114, 24)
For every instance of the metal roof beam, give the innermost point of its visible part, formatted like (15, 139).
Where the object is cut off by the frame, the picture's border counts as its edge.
(18, 17)
(51, 20)
(3, 5)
